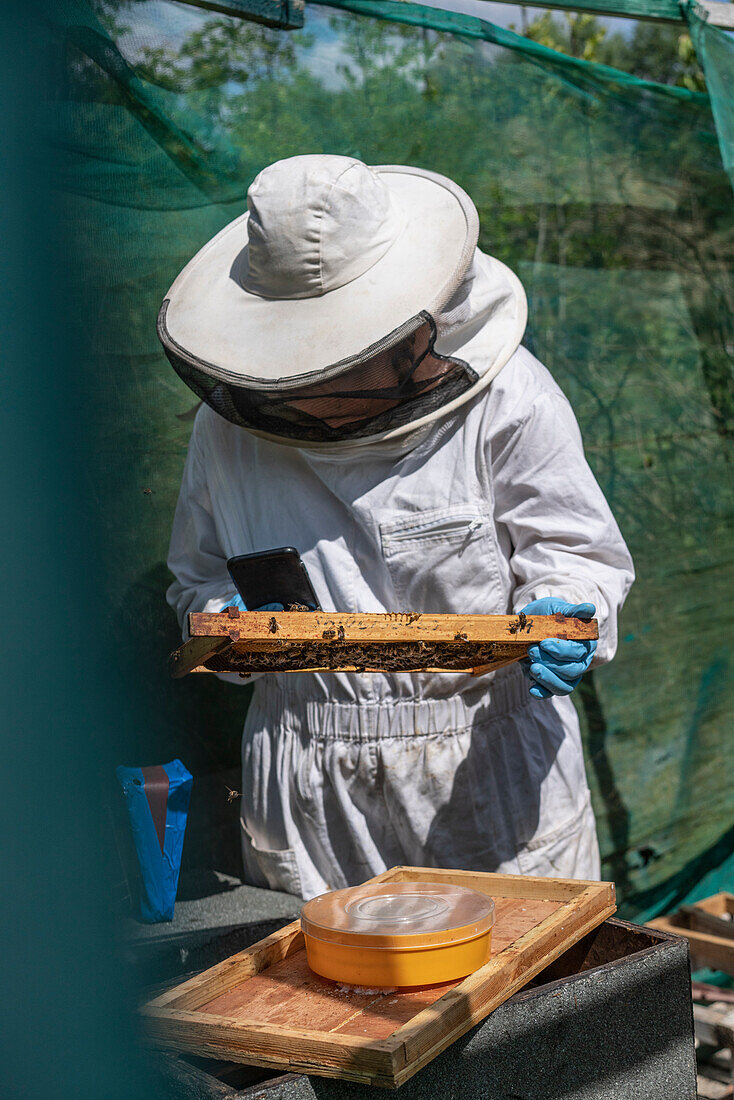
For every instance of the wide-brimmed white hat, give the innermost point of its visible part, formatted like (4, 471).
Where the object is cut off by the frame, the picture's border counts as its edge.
(333, 262)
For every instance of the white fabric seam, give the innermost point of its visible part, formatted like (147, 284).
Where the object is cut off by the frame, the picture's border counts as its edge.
(322, 211)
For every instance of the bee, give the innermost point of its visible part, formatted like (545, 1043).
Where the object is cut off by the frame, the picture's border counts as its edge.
(273, 625)
(231, 795)
(519, 626)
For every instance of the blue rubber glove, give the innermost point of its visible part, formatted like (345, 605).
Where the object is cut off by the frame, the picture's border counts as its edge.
(556, 666)
(237, 601)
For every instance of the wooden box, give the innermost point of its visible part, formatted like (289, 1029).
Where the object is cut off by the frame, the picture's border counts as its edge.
(708, 925)
(264, 1007)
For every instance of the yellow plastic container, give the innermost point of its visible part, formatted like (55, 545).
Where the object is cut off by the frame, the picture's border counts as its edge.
(393, 934)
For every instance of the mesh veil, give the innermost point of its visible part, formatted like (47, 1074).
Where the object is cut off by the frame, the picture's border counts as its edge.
(409, 375)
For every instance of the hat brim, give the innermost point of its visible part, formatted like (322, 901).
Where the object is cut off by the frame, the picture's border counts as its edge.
(490, 349)
(263, 342)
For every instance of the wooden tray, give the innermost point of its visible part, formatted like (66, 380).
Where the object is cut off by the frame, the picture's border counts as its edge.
(264, 1007)
(318, 641)
(708, 925)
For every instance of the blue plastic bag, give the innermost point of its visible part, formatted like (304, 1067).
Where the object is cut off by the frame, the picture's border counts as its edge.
(157, 801)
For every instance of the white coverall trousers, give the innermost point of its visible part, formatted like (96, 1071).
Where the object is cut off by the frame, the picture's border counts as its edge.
(344, 775)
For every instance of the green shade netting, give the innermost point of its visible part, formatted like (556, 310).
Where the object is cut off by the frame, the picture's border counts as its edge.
(606, 194)
(715, 52)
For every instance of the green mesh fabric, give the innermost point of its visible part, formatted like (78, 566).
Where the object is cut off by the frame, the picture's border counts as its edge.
(715, 51)
(605, 193)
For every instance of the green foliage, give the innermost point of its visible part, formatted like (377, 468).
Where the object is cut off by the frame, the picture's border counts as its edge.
(222, 51)
(663, 53)
(575, 33)
(653, 51)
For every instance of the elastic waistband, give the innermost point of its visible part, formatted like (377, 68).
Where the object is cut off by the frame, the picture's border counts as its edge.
(368, 720)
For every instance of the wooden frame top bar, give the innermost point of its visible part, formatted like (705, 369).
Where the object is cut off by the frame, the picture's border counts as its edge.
(317, 626)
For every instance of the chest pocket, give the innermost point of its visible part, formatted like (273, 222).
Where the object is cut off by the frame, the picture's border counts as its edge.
(442, 560)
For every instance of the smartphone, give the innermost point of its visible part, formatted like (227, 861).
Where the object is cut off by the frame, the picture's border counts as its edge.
(273, 576)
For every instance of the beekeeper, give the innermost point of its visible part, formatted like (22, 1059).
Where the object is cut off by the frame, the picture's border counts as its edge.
(367, 400)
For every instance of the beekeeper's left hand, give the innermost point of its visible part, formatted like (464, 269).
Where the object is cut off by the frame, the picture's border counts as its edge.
(555, 666)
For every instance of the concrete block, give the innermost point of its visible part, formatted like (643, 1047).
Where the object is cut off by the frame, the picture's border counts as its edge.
(206, 929)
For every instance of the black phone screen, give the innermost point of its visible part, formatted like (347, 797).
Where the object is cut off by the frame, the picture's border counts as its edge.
(273, 576)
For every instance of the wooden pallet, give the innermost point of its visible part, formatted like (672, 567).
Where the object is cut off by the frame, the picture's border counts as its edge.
(714, 1027)
(288, 641)
(264, 1007)
(708, 925)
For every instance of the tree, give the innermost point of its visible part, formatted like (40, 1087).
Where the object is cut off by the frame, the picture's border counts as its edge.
(576, 33)
(654, 51)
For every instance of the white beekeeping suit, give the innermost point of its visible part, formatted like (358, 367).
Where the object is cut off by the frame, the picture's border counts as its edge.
(420, 460)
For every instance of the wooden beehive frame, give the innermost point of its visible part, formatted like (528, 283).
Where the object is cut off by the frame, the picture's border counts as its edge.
(289, 641)
(209, 1014)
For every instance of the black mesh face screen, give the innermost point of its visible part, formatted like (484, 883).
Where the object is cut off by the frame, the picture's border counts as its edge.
(395, 386)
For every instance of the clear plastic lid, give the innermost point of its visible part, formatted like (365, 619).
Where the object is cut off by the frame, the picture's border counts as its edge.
(398, 915)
